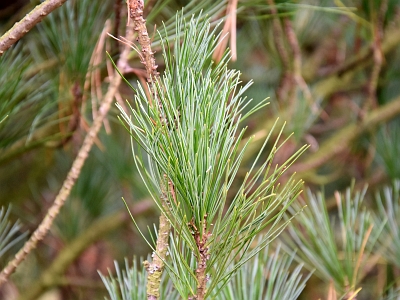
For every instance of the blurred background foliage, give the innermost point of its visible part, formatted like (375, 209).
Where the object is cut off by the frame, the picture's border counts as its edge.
(331, 70)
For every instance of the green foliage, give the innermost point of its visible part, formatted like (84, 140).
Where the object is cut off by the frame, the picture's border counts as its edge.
(337, 248)
(69, 36)
(10, 233)
(163, 11)
(388, 201)
(388, 148)
(130, 283)
(21, 95)
(393, 294)
(269, 276)
(190, 133)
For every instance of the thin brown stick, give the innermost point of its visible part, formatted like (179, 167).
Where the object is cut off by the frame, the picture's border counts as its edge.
(377, 33)
(278, 36)
(117, 21)
(297, 65)
(332, 295)
(139, 25)
(27, 23)
(72, 176)
(229, 27)
(203, 256)
(286, 85)
(156, 267)
(360, 255)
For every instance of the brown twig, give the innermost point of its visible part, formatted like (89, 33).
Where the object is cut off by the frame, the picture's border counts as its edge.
(27, 23)
(286, 82)
(156, 267)
(297, 75)
(229, 27)
(117, 20)
(377, 33)
(72, 176)
(139, 25)
(201, 238)
(278, 34)
(360, 255)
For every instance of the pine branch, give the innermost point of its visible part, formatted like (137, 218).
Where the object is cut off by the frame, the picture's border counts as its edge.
(139, 23)
(156, 267)
(204, 256)
(73, 174)
(27, 23)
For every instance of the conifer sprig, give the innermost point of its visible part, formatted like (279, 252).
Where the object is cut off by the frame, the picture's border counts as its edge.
(339, 258)
(192, 144)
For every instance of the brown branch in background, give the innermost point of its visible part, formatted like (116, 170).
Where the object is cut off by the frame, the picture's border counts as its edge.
(229, 27)
(389, 42)
(117, 21)
(156, 267)
(332, 295)
(297, 75)
(74, 121)
(27, 23)
(279, 34)
(73, 174)
(377, 33)
(294, 45)
(286, 82)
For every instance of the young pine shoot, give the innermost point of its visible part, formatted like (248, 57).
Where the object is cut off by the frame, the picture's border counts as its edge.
(186, 134)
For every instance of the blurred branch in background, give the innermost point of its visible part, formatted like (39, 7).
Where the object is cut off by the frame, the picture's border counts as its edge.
(73, 174)
(27, 23)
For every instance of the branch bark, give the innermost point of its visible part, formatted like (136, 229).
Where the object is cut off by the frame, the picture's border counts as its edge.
(203, 256)
(73, 174)
(156, 267)
(27, 23)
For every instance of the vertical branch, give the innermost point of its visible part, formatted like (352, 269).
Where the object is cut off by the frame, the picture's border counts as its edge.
(377, 33)
(139, 25)
(286, 81)
(201, 238)
(297, 75)
(73, 174)
(117, 22)
(229, 27)
(278, 34)
(156, 267)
